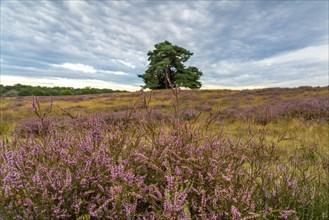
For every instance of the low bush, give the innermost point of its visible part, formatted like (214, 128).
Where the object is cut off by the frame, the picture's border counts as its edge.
(155, 169)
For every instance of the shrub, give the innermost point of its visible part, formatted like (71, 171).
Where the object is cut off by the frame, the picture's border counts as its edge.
(151, 169)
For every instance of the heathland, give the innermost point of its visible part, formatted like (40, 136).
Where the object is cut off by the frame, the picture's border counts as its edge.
(169, 154)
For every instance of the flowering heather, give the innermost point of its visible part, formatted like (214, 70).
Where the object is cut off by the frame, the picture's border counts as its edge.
(316, 108)
(144, 167)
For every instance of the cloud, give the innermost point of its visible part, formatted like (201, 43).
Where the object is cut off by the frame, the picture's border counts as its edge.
(130, 65)
(235, 43)
(317, 53)
(76, 67)
(66, 82)
(119, 73)
(308, 66)
(87, 69)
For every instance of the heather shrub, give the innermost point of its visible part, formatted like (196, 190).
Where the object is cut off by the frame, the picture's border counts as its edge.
(69, 173)
(158, 115)
(148, 168)
(204, 108)
(67, 179)
(190, 114)
(114, 117)
(316, 108)
(39, 125)
(34, 126)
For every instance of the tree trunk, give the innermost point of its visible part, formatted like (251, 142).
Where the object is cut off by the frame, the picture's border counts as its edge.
(168, 78)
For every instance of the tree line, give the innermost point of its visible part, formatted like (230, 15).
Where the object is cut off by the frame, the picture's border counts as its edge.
(26, 90)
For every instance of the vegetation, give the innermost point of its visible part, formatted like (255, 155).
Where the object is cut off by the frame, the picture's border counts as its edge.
(172, 154)
(25, 90)
(167, 69)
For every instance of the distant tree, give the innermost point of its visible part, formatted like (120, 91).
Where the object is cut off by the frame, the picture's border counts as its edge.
(66, 91)
(167, 69)
(38, 91)
(2, 89)
(25, 90)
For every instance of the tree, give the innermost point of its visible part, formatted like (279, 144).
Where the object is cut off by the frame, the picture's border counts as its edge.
(166, 68)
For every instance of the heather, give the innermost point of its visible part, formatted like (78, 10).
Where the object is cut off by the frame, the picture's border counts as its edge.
(165, 158)
(308, 109)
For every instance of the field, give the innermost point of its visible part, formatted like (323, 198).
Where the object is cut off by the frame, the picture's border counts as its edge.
(171, 154)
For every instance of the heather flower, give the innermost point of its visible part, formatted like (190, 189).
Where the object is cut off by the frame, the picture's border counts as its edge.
(227, 178)
(286, 213)
(235, 213)
(129, 165)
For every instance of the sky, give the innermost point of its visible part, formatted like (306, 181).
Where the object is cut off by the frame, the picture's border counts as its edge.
(104, 44)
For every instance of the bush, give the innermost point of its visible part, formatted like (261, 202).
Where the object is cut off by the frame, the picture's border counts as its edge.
(151, 169)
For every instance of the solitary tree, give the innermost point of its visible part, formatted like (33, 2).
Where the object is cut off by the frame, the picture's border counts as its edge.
(167, 70)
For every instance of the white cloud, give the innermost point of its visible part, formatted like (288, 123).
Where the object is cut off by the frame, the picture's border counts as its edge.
(119, 73)
(224, 67)
(76, 67)
(86, 69)
(308, 66)
(128, 64)
(65, 82)
(308, 54)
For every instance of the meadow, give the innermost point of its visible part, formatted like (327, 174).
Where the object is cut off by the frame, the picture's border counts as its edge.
(169, 154)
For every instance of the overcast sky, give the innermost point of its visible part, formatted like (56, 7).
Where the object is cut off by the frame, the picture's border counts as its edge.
(236, 44)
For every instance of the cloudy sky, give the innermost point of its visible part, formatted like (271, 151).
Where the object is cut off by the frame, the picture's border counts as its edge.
(236, 44)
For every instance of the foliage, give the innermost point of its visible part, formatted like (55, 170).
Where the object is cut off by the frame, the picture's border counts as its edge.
(167, 69)
(25, 90)
(142, 167)
(315, 108)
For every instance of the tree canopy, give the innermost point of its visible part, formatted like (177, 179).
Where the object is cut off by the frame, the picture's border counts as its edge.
(166, 68)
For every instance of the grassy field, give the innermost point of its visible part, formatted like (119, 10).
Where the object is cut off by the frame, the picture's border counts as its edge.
(173, 154)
